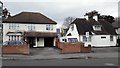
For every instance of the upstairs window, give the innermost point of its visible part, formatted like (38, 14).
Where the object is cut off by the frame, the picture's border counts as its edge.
(97, 27)
(49, 27)
(31, 27)
(14, 26)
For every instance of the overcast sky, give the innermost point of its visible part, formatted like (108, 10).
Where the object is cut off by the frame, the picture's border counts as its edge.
(58, 10)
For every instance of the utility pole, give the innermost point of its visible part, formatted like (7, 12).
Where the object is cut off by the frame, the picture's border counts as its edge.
(1, 32)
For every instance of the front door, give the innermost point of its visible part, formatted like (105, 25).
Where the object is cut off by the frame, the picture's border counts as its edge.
(31, 41)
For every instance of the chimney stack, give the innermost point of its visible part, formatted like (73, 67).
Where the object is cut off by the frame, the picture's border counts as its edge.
(95, 17)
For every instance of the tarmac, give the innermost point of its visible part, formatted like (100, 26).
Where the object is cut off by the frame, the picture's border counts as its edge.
(54, 53)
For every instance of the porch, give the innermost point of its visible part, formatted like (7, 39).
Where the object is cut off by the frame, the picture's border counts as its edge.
(40, 39)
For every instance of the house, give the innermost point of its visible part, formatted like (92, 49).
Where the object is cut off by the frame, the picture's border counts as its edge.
(34, 28)
(116, 26)
(95, 32)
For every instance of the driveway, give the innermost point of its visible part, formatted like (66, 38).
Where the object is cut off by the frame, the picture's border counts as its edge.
(45, 51)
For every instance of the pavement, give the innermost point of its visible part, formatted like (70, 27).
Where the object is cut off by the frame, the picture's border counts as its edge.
(54, 53)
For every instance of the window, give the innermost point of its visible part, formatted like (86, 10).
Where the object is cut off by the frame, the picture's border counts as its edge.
(72, 27)
(72, 40)
(63, 39)
(14, 26)
(97, 27)
(86, 39)
(31, 27)
(49, 27)
(11, 38)
(111, 38)
(103, 37)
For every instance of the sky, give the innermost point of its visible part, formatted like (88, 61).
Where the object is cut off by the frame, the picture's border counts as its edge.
(58, 10)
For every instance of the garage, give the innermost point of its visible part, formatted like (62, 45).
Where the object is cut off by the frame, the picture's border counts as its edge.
(49, 42)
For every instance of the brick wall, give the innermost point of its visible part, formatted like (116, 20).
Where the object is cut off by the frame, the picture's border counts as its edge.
(21, 49)
(72, 47)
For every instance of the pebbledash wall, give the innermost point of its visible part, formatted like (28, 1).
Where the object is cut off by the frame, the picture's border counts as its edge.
(24, 27)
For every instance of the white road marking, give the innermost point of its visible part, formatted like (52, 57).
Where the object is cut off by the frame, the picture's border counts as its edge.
(109, 64)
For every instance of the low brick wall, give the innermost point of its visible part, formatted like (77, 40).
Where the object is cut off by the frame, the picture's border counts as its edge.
(73, 47)
(70, 48)
(21, 49)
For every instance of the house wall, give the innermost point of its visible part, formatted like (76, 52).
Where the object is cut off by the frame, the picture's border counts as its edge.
(66, 37)
(40, 43)
(54, 44)
(97, 41)
(118, 31)
(74, 32)
(114, 42)
(24, 27)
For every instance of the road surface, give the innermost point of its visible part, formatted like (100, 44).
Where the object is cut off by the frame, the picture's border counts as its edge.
(62, 62)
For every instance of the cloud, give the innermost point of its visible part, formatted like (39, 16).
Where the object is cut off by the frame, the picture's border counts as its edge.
(58, 10)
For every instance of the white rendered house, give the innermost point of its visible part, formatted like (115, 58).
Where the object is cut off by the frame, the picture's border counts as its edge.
(98, 33)
(35, 28)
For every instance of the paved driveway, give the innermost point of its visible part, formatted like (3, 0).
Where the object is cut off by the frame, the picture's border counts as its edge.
(45, 51)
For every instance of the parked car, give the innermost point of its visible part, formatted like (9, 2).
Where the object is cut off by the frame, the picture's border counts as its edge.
(13, 42)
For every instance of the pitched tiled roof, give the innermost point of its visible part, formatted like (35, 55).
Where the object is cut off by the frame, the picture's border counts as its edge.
(29, 18)
(84, 26)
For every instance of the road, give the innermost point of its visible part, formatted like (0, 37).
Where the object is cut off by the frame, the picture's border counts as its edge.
(62, 62)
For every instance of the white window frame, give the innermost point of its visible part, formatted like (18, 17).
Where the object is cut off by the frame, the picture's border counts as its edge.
(97, 27)
(13, 26)
(49, 27)
(31, 27)
(86, 39)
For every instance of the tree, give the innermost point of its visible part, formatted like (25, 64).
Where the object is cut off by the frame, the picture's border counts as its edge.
(92, 14)
(108, 18)
(67, 22)
(66, 25)
(5, 13)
